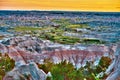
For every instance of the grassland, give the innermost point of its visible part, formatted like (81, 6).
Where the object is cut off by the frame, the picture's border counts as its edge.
(55, 33)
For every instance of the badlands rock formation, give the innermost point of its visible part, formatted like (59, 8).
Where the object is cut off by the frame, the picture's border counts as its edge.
(27, 49)
(114, 68)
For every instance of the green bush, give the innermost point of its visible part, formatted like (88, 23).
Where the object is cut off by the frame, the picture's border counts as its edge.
(66, 71)
(6, 64)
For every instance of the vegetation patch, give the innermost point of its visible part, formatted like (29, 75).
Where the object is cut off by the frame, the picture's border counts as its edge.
(92, 41)
(77, 26)
(66, 71)
(24, 28)
(6, 64)
(1, 37)
(55, 34)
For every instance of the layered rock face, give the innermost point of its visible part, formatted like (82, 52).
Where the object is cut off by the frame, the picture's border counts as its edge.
(27, 49)
(17, 49)
(114, 68)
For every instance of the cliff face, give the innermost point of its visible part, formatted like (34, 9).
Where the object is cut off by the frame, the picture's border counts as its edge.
(114, 68)
(26, 49)
(77, 57)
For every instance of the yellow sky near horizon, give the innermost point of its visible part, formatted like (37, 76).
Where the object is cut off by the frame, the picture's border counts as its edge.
(72, 5)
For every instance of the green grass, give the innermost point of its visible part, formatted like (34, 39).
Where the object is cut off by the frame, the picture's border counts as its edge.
(77, 26)
(61, 20)
(24, 28)
(92, 41)
(54, 37)
(55, 34)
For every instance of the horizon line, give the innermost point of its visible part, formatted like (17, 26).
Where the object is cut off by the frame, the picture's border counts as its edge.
(56, 10)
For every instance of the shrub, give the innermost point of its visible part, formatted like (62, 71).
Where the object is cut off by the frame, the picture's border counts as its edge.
(6, 64)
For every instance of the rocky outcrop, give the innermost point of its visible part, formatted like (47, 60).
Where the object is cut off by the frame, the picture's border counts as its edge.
(3, 48)
(27, 49)
(14, 75)
(114, 68)
(26, 72)
(77, 57)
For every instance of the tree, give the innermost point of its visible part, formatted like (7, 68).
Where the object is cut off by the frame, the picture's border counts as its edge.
(47, 66)
(6, 64)
(62, 70)
(103, 64)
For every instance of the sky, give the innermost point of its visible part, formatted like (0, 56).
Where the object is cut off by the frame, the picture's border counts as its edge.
(67, 5)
